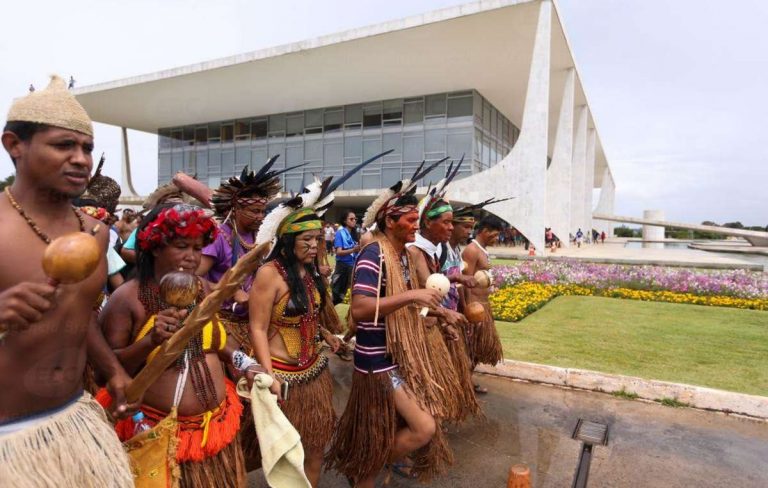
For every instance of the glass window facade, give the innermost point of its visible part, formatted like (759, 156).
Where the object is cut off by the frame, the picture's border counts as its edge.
(333, 139)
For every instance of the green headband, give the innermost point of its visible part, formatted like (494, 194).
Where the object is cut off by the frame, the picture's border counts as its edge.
(468, 219)
(434, 212)
(290, 226)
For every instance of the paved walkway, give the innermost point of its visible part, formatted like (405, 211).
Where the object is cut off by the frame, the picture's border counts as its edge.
(613, 251)
(650, 445)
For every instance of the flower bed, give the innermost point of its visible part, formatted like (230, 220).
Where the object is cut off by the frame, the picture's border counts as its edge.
(731, 283)
(513, 303)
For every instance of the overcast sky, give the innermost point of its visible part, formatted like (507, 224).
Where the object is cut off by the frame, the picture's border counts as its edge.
(677, 88)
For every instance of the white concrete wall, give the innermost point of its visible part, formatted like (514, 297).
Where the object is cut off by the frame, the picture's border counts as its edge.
(605, 204)
(578, 172)
(559, 172)
(589, 180)
(523, 173)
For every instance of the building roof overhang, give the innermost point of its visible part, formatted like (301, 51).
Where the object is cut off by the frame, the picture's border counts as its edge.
(485, 45)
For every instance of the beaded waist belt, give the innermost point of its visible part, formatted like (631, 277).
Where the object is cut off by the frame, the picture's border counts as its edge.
(293, 374)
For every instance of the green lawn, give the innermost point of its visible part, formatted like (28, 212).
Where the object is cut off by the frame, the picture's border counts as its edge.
(707, 346)
(504, 262)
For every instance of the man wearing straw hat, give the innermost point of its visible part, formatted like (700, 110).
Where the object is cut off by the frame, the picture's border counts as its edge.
(51, 432)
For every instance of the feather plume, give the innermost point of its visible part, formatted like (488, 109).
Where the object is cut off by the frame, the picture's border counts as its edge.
(318, 195)
(268, 228)
(468, 210)
(370, 214)
(425, 202)
(311, 193)
(99, 167)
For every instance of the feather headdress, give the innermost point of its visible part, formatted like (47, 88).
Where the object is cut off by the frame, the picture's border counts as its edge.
(467, 212)
(102, 191)
(396, 191)
(262, 185)
(168, 193)
(437, 193)
(316, 198)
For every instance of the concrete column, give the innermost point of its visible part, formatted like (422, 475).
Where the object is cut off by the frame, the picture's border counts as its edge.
(653, 232)
(589, 180)
(578, 172)
(127, 182)
(559, 172)
(523, 173)
(605, 204)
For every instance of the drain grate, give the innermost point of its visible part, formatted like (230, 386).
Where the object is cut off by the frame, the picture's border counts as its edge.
(590, 434)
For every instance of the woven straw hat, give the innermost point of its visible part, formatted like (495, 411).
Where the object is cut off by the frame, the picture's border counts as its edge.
(54, 106)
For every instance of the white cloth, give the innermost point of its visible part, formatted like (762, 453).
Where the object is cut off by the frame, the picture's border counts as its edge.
(481, 248)
(427, 246)
(113, 237)
(282, 455)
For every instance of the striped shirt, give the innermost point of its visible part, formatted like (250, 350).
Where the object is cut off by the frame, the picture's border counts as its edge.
(371, 347)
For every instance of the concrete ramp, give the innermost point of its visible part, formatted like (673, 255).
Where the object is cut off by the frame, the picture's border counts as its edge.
(756, 238)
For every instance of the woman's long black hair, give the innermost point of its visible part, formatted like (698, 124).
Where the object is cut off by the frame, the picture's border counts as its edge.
(285, 254)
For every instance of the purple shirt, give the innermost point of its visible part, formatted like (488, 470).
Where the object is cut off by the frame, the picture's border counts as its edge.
(221, 252)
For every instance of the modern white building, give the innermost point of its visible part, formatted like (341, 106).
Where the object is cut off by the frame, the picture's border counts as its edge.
(493, 80)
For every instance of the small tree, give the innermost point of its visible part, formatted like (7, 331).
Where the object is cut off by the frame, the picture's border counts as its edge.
(623, 231)
(7, 182)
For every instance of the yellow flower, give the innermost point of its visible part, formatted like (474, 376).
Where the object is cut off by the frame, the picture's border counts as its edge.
(513, 303)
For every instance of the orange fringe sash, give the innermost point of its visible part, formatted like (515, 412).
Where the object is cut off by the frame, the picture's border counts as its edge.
(200, 436)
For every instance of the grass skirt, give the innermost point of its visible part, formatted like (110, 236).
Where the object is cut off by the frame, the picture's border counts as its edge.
(462, 364)
(309, 408)
(433, 459)
(224, 470)
(485, 345)
(366, 435)
(73, 447)
(450, 391)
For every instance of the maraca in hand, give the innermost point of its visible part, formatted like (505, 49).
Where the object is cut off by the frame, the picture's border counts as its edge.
(439, 282)
(72, 258)
(475, 312)
(483, 278)
(179, 289)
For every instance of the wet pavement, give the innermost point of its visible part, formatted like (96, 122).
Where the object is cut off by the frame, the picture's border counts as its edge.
(649, 445)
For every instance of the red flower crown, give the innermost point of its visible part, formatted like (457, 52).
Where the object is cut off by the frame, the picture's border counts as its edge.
(177, 221)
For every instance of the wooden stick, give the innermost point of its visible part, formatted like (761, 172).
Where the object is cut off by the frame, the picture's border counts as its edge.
(201, 315)
(519, 476)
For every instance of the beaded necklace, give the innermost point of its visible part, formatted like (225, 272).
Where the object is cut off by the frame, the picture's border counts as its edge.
(32, 224)
(202, 381)
(241, 241)
(308, 325)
